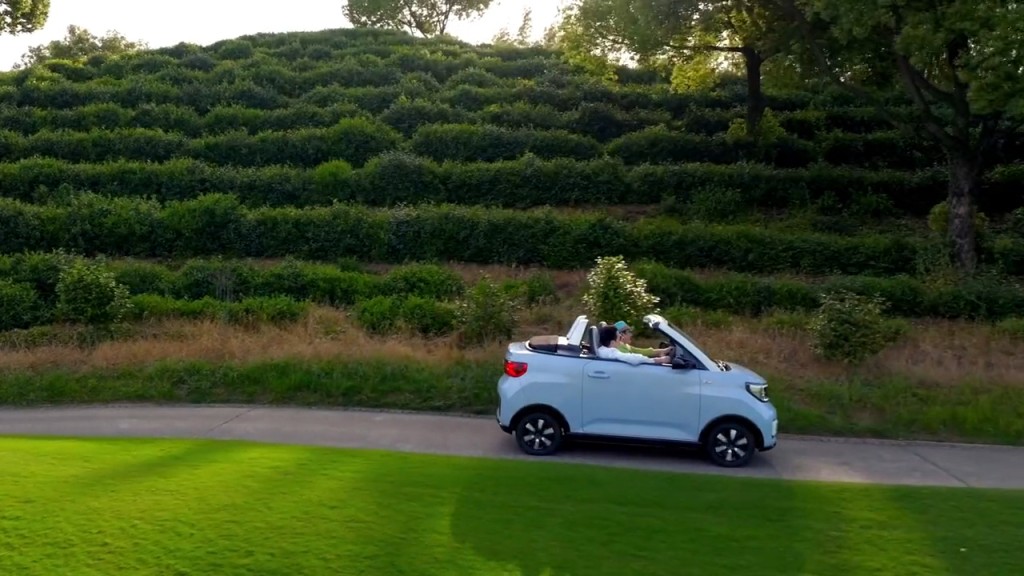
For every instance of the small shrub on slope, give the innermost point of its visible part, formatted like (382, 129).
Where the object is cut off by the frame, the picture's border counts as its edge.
(851, 328)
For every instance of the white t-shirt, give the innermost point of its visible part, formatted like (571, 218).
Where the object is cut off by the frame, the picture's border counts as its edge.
(615, 354)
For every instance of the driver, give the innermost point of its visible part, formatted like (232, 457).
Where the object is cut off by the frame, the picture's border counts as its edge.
(626, 336)
(609, 349)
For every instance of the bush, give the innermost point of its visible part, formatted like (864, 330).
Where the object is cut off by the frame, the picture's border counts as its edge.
(1011, 328)
(851, 328)
(613, 293)
(20, 306)
(89, 294)
(145, 278)
(379, 315)
(424, 280)
(333, 181)
(487, 314)
(356, 140)
(399, 177)
(331, 285)
(428, 317)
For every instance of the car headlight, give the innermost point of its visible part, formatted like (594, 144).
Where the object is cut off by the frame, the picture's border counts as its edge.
(759, 391)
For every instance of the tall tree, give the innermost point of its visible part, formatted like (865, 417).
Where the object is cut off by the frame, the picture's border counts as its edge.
(680, 30)
(427, 17)
(961, 62)
(78, 44)
(23, 16)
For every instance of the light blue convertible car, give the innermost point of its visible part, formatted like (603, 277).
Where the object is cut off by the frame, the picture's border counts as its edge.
(555, 387)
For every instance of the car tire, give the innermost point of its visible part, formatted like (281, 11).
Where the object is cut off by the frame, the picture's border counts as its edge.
(539, 434)
(731, 445)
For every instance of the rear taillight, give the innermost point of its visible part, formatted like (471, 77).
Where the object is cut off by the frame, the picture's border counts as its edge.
(515, 369)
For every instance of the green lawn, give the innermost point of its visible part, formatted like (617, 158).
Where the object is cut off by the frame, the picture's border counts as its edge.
(229, 508)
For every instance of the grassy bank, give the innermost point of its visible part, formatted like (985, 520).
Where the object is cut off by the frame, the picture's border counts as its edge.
(945, 381)
(187, 507)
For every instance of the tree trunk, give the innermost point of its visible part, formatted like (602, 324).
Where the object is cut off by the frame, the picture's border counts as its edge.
(753, 60)
(963, 183)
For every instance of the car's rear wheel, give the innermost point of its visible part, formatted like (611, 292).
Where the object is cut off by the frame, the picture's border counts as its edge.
(731, 445)
(539, 434)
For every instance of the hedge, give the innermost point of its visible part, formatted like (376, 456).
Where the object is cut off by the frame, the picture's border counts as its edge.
(977, 299)
(355, 140)
(204, 287)
(466, 142)
(220, 225)
(526, 182)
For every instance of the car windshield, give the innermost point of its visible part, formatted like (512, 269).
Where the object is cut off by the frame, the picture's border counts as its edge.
(690, 341)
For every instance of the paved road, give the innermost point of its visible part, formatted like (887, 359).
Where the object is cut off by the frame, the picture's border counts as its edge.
(845, 460)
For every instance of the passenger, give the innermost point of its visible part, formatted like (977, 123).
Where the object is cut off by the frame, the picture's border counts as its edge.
(626, 336)
(609, 350)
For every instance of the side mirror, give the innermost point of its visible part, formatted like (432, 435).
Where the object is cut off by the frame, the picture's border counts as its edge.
(682, 364)
(664, 344)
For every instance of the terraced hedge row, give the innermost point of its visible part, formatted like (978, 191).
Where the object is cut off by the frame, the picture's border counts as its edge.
(307, 135)
(202, 84)
(398, 177)
(205, 282)
(220, 225)
(599, 119)
(351, 139)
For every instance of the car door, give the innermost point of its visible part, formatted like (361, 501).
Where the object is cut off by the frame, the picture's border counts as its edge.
(648, 401)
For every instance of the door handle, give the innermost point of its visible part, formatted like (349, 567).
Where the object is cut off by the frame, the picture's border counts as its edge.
(597, 374)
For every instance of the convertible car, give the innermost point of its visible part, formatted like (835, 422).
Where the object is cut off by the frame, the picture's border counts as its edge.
(555, 387)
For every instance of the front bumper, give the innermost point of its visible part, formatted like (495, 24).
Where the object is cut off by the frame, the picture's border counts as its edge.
(772, 441)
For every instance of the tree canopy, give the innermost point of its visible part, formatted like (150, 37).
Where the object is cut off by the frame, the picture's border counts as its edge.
(425, 17)
(681, 31)
(961, 63)
(23, 16)
(77, 45)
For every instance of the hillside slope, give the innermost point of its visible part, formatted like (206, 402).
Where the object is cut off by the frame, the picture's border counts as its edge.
(302, 120)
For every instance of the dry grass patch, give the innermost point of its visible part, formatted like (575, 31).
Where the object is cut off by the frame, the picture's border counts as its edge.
(934, 352)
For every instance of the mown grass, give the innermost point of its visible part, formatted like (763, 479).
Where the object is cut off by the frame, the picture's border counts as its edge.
(230, 508)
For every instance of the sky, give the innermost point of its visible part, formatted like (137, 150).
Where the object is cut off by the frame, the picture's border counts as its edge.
(204, 22)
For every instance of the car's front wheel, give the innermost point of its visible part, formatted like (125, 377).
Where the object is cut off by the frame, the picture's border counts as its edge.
(731, 445)
(539, 434)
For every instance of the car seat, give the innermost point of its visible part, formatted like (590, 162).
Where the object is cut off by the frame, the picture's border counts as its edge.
(594, 339)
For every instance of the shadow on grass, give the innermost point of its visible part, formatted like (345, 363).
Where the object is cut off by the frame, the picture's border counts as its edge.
(983, 528)
(146, 460)
(561, 520)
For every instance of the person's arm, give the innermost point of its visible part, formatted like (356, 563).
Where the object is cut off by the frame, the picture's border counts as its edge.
(633, 359)
(630, 349)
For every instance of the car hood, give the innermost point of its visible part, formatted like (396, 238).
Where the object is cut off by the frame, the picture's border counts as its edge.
(741, 370)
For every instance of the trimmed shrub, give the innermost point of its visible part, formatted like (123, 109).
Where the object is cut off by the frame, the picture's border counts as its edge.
(325, 284)
(333, 180)
(424, 280)
(474, 143)
(20, 306)
(145, 278)
(379, 315)
(407, 116)
(428, 317)
(399, 177)
(356, 140)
